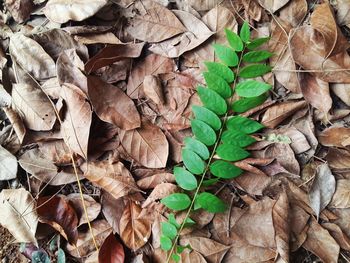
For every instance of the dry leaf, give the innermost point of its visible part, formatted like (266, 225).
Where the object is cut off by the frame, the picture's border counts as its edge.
(16, 122)
(343, 9)
(152, 88)
(134, 230)
(93, 208)
(105, 38)
(61, 11)
(149, 26)
(160, 191)
(111, 251)
(341, 197)
(152, 181)
(18, 214)
(22, 48)
(8, 164)
(20, 9)
(147, 145)
(112, 177)
(112, 210)
(335, 136)
(336, 232)
(342, 91)
(112, 105)
(322, 189)
(338, 158)
(294, 12)
(273, 5)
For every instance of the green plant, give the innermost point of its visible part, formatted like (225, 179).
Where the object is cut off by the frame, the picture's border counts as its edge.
(220, 134)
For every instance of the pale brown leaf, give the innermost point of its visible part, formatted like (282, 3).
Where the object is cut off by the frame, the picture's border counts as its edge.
(341, 197)
(273, 5)
(335, 136)
(294, 12)
(336, 232)
(17, 123)
(8, 164)
(20, 9)
(152, 181)
(338, 158)
(152, 88)
(112, 210)
(160, 191)
(342, 91)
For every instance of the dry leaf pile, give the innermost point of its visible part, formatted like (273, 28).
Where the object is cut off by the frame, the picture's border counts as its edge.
(96, 100)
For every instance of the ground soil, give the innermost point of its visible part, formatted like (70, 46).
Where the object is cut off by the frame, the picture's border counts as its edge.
(9, 252)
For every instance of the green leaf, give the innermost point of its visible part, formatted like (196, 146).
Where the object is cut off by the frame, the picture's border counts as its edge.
(210, 182)
(172, 220)
(244, 124)
(206, 115)
(234, 40)
(185, 179)
(231, 153)
(237, 138)
(192, 161)
(177, 201)
(245, 104)
(217, 84)
(189, 222)
(254, 70)
(212, 100)
(256, 56)
(221, 70)
(245, 32)
(165, 243)
(168, 230)
(176, 257)
(227, 55)
(252, 88)
(197, 146)
(180, 249)
(61, 256)
(203, 132)
(40, 257)
(211, 203)
(257, 42)
(225, 170)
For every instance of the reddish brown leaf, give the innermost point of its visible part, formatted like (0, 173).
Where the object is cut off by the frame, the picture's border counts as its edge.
(111, 251)
(93, 208)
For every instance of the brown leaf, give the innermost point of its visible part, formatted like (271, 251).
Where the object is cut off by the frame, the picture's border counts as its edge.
(112, 210)
(149, 26)
(111, 251)
(134, 230)
(61, 11)
(321, 243)
(322, 189)
(152, 181)
(196, 33)
(341, 197)
(112, 105)
(8, 164)
(273, 5)
(151, 65)
(147, 145)
(343, 9)
(20, 9)
(160, 256)
(93, 208)
(112, 177)
(56, 151)
(16, 122)
(59, 214)
(85, 245)
(342, 91)
(338, 158)
(279, 112)
(294, 12)
(335, 136)
(160, 191)
(111, 54)
(252, 182)
(22, 48)
(152, 88)
(299, 142)
(77, 121)
(18, 214)
(336, 232)
(105, 38)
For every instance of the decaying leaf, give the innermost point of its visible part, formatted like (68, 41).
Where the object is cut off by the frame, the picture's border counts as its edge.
(20, 9)
(160, 191)
(8, 164)
(92, 207)
(335, 136)
(273, 5)
(341, 197)
(111, 251)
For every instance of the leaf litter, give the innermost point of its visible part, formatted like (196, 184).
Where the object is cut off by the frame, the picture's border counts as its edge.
(102, 92)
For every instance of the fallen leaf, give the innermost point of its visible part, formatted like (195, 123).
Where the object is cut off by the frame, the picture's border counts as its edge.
(160, 256)
(147, 145)
(112, 105)
(338, 158)
(18, 214)
(93, 208)
(339, 236)
(342, 91)
(111, 251)
(341, 197)
(273, 5)
(134, 230)
(152, 88)
(204, 5)
(112, 177)
(322, 189)
(294, 12)
(77, 121)
(58, 213)
(149, 26)
(343, 9)
(61, 11)
(105, 38)
(22, 48)
(16, 122)
(152, 181)
(335, 136)
(20, 9)
(112, 210)
(160, 191)
(8, 164)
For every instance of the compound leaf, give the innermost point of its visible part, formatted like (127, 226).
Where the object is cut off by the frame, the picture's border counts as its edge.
(165, 243)
(197, 146)
(256, 56)
(254, 70)
(221, 70)
(211, 203)
(245, 32)
(207, 116)
(234, 40)
(237, 138)
(169, 230)
(257, 42)
(245, 104)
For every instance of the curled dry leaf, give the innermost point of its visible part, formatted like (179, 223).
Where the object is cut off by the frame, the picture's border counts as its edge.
(343, 9)
(59, 214)
(335, 136)
(150, 26)
(8, 164)
(342, 91)
(22, 48)
(160, 191)
(147, 145)
(105, 38)
(111, 251)
(18, 214)
(134, 230)
(112, 105)
(77, 121)
(61, 11)
(341, 197)
(16, 122)
(85, 245)
(112, 177)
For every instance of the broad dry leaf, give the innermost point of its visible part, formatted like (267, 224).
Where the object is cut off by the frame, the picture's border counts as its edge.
(321, 243)
(279, 112)
(273, 5)
(104, 38)
(150, 26)
(111, 251)
(152, 181)
(294, 12)
(152, 88)
(112, 210)
(253, 183)
(134, 230)
(85, 245)
(341, 197)
(112, 177)
(8, 164)
(61, 11)
(196, 33)
(203, 5)
(77, 121)
(112, 105)
(160, 256)
(336, 232)
(322, 189)
(17, 122)
(56, 151)
(343, 11)
(35, 107)
(338, 158)
(147, 145)
(151, 65)
(335, 136)
(22, 48)
(342, 90)
(18, 214)
(299, 142)
(160, 191)
(20, 9)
